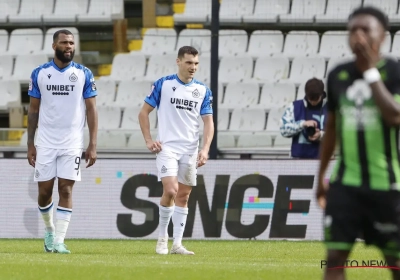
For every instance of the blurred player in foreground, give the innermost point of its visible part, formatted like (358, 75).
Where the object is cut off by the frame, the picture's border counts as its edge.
(62, 94)
(364, 116)
(181, 101)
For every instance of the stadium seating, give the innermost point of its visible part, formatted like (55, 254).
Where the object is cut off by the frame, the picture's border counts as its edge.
(267, 11)
(109, 117)
(265, 43)
(103, 11)
(254, 141)
(132, 94)
(105, 92)
(232, 42)
(195, 12)
(301, 43)
(130, 119)
(235, 69)
(127, 67)
(303, 11)
(277, 95)
(25, 41)
(24, 65)
(158, 41)
(232, 10)
(8, 8)
(67, 11)
(271, 69)
(32, 11)
(250, 120)
(10, 92)
(337, 11)
(241, 95)
(197, 38)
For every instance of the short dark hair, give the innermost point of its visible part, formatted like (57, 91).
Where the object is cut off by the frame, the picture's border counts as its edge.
(314, 89)
(187, 50)
(62, 31)
(372, 11)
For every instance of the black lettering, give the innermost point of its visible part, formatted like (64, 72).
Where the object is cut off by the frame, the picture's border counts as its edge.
(72, 87)
(66, 88)
(195, 104)
(186, 102)
(211, 218)
(48, 87)
(373, 263)
(191, 103)
(178, 101)
(54, 87)
(282, 205)
(130, 201)
(173, 100)
(62, 88)
(323, 263)
(233, 217)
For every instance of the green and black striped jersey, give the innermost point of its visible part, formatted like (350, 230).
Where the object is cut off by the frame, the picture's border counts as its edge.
(368, 155)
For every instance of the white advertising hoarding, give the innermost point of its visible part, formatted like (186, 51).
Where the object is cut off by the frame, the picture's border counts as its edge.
(234, 199)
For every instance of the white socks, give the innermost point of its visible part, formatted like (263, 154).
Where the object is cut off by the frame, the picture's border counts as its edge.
(63, 218)
(47, 216)
(165, 217)
(179, 221)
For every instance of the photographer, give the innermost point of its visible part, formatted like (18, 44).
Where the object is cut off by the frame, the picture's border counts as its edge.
(304, 121)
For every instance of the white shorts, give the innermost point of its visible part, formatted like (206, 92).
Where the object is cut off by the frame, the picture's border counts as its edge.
(177, 165)
(60, 163)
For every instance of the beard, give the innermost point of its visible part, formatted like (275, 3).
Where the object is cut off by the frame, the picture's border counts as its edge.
(61, 56)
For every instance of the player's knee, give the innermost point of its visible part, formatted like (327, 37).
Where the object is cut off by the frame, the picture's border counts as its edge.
(65, 192)
(45, 193)
(170, 192)
(183, 196)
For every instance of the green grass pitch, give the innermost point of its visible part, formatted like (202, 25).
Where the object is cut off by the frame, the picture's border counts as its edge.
(132, 259)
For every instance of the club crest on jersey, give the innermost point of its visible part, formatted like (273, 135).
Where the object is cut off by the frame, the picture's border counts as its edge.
(196, 93)
(73, 77)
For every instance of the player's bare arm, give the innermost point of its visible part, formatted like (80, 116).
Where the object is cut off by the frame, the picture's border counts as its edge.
(327, 149)
(33, 118)
(91, 114)
(208, 135)
(153, 146)
(368, 55)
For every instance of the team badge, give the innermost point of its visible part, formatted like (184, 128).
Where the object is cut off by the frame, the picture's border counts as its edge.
(30, 84)
(73, 77)
(37, 174)
(94, 88)
(196, 93)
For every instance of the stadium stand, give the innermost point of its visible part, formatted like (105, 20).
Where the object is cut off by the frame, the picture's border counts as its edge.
(261, 69)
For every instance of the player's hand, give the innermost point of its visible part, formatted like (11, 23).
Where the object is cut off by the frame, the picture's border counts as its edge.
(321, 194)
(202, 158)
(153, 146)
(31, 155)
(316, 136)
(367, 53)
(90, 155)
(310, 123)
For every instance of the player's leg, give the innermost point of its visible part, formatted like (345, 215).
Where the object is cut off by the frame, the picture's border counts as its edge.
(167, 165)
(342, 224)
(68, 171)
(384, 227)
(44, 174)
(187, 176)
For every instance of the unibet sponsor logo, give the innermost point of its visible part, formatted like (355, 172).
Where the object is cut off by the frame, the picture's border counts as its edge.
(60, 89)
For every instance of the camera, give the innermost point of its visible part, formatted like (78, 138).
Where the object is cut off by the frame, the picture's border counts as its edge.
(310, 130)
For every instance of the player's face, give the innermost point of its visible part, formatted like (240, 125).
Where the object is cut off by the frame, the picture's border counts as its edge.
(64, 48)
(366, 26)
(188, 65)
(315, 102)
